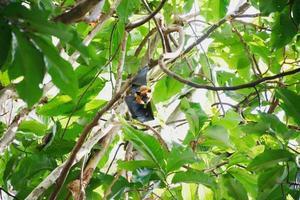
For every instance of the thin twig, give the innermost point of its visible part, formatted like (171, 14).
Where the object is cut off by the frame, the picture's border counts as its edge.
(114, 157)
(210, 70)
(157, 24)
(143, 42)
(121, 63)
(142, 21)
(250, 56)
(158, 136)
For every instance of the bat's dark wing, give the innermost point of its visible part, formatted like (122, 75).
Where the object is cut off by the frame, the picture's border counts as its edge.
(140, 79)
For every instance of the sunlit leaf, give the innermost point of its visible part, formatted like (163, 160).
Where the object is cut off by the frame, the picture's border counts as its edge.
(214, 10)
(269, 158)
(168, 87)
(28, 65)
(283, 31)
(150, 148)
(234, 188)
(178, 157)
(290, 103)
(194, 115)
(60, 70)
(193, 176)
(33, 126)
(126, 7)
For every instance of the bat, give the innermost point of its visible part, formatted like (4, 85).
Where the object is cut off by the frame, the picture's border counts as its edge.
(138, 101)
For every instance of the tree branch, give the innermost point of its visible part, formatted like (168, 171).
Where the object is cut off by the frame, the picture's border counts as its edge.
(142, 21)
(10, 134)
(121, 62)
(75, 185)
(158, 25)
(103, 18)
(83, 136)
(211, 29)
(85, 148)
(241, 9)
(77, 12)
(227, 88)
(143, 42)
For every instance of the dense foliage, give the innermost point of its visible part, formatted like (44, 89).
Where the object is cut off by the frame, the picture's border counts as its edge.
(226, 102)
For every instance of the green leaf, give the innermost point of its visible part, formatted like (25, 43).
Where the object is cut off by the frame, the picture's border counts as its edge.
(238, 158)
(90, 108)
(295, 12)
(283, 30)
(57, 106)
(117, 37)
(59, 147)
(290, 103)
(276, 126)
(269, 183)
(37, 20)
(255, 128)
(33, 126)
(91, 195)
(61, 71)
(132, 64)
(147, 145)
(188, 4)
(267, 7)
(133, 165)
(194, 114)
(30, 167)
(234, 188)
(217, 135)
(230, 121)
(194, 176)
(213, 10)
(63, 104)
(5, 41)
(270, 177)
(249, 181)
(178, 157)
(126, 8)
(168, 87)
(28, 64)
(269, 158)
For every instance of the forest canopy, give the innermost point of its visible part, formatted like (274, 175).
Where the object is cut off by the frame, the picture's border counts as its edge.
(130, 99)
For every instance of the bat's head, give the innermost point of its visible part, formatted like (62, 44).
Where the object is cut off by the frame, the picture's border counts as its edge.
(143, 95)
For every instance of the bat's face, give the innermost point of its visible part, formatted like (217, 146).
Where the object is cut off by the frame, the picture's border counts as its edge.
(143, 95)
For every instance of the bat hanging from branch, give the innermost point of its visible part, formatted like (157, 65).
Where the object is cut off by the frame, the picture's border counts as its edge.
(138, 100)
